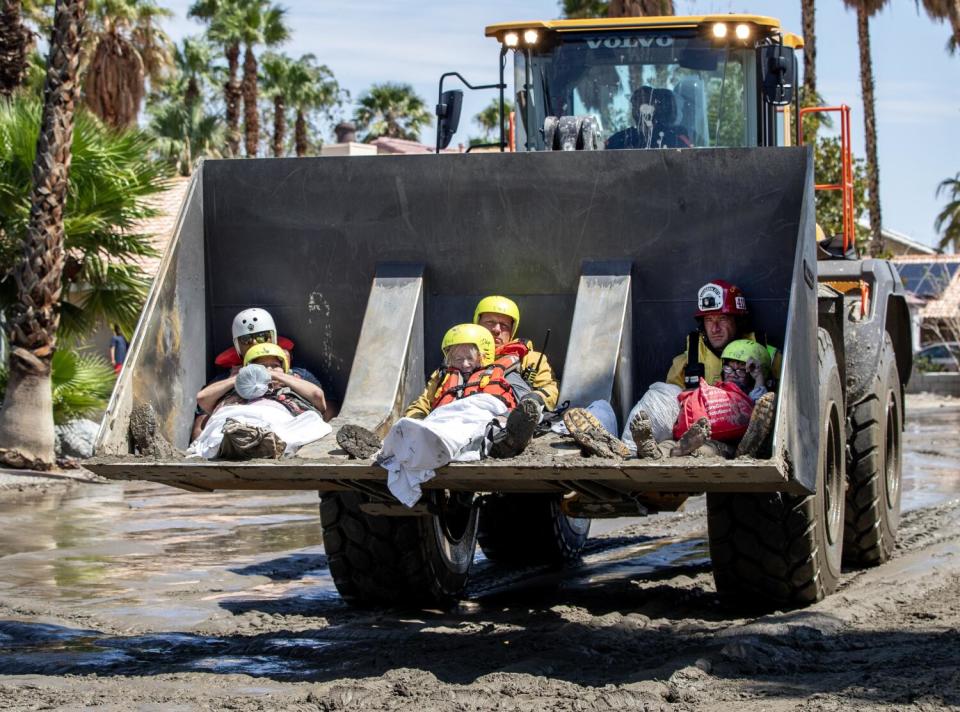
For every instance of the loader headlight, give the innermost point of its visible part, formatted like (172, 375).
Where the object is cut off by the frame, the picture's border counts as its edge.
(742, 31)
(511, 39)
(530, 37)
(720, 30)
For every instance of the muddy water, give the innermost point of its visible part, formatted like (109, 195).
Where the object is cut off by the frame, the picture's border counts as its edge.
(126, 578)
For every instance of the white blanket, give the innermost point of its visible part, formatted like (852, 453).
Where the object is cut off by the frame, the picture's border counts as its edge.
(294, 431)
(413, 449)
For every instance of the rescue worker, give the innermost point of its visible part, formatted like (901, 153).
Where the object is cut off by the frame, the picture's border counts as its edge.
(654, 114)
(471, 366)
(722, 316)
(250, 327)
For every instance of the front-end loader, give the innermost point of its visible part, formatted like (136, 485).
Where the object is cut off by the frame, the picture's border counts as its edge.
(646, 156)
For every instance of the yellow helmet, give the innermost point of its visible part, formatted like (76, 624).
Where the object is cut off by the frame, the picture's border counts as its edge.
(471, 334)
(820, 234)
(267, 349)
(499, 305)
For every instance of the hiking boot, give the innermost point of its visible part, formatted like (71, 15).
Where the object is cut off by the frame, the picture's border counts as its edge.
(591, 436)
(143, 433)
(692, 440)
(518, 432)
(242, 441)
(642, 432)
(360, 443)
(761, 423)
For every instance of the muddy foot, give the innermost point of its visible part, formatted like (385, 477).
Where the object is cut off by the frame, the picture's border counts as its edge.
(360, 443)
(515, 437)
(692, 440)
(761, 423)
(591, 436)
(642, 432)
(143, 432)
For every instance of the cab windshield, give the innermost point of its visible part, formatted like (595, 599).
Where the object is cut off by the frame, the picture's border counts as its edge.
(645, 90)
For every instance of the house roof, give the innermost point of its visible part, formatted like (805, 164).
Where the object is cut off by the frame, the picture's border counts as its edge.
(908, 242)
(933, 280)
(160, 228)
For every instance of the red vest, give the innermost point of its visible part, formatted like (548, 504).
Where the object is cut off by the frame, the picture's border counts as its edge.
(492, 380)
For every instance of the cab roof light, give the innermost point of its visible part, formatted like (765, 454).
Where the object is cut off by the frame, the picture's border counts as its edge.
(720, 30)
(511, 39)
(742, 31)
(530, 37)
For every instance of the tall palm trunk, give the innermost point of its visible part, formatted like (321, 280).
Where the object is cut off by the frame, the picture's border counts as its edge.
(231, 98)
(870, 130)
(251, 116)
(810, 98)
(279, 125)
(300, 134)
(26, 420)
(640, 8)
(15, 40)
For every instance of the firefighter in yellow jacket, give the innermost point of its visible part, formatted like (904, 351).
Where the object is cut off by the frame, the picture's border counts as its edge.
(501, 317)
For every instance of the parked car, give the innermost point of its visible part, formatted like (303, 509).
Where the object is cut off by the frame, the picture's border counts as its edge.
(943, 356)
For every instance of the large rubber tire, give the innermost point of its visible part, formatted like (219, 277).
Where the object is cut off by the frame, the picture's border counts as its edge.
(524, 529)
(398, 561)
(872, 514)
(779, 549)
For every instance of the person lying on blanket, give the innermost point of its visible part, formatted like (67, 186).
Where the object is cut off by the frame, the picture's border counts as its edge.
(269, 412)
(474, 388)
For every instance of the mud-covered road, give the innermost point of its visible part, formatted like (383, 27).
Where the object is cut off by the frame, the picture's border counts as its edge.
(136, 596)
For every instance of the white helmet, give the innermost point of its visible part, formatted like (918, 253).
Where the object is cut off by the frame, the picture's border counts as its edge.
(253, 321)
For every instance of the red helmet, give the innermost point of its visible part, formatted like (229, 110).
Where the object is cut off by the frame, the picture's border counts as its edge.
(719, 297)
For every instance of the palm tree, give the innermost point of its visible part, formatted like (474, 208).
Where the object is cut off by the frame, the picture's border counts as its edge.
(313, 89)
(193, 60)
(391, 110)
(276, 86)
(489, 119)
(127, 48)
(111, 175)
(809, 93)
(26, 419)
(640, 8)
(948, 220)
(15, 43)
(583, 9)
(184, 132)
(224, 27)
(262, 25)
(945, 10)
(865, 10)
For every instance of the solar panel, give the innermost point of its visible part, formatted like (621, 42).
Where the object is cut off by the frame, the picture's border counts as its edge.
(927, 280)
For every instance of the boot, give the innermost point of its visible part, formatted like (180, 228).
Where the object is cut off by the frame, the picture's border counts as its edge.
(360, 443)
(518, 433)
(242, 441)
(761, 423)
(591, 436)
(642, 432)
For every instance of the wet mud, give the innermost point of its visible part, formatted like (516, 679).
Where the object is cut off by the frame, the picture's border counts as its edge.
(137, 596)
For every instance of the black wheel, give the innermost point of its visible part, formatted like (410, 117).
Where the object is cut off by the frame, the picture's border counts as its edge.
(872, 514)
(389, 560)
(781, 549)
(521, 529)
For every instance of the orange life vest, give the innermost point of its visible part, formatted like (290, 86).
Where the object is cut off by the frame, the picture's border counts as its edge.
(492, 380)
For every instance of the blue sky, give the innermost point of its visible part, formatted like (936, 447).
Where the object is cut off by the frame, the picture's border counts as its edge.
(918, 95)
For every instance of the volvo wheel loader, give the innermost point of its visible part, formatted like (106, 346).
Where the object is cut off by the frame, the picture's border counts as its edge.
(645, 157)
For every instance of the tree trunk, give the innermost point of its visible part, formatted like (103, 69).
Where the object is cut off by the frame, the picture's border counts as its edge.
(26, 420)
(15, 41)
(812, 121)
(300, 134)
(870, 130)
(953, 13)
(279, 125)
(640, 8)
(251, 115)
(231, 99)
(192, 93)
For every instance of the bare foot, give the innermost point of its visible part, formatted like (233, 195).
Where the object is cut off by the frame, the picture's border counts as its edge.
(642, 432)
(692, 440)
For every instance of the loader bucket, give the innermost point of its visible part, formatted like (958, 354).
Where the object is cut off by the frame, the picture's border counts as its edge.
(364, 262)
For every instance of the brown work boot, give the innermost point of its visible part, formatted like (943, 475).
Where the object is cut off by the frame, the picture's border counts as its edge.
(518, 432)
(642, 432)
(591, 436)
(360, 443)
(692, 440)
(761, 423)
(242, 441)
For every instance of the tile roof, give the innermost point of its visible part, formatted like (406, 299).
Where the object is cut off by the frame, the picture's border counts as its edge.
(947, 305)
(160, 228)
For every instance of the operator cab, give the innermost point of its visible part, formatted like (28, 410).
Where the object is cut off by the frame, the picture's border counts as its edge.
(651, 82)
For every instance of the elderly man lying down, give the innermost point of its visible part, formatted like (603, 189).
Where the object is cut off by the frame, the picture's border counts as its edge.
(473, 391)
(268, 412)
